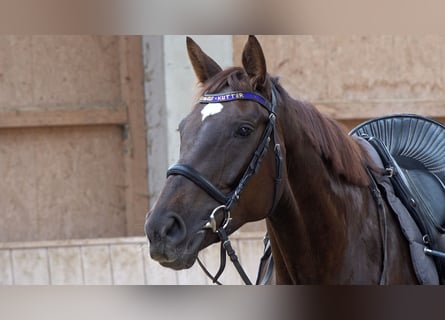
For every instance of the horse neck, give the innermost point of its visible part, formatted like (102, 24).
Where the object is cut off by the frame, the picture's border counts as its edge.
(309, 229)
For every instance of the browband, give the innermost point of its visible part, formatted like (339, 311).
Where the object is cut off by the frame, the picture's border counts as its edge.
(236, 95)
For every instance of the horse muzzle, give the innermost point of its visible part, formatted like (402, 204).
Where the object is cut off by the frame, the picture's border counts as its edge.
(169, 242)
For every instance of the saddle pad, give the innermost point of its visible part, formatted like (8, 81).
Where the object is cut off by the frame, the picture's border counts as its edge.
(414, 141)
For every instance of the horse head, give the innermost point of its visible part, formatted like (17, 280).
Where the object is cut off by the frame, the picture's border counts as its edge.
(230, 161)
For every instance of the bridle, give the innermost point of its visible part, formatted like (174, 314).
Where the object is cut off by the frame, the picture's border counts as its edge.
(227, 200)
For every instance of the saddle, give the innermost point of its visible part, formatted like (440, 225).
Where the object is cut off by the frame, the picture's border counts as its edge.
(412, 150)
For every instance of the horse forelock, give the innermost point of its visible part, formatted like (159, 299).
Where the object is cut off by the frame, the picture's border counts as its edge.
(233, 79)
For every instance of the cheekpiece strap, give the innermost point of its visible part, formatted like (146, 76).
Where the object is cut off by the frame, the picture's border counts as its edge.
(235, 95)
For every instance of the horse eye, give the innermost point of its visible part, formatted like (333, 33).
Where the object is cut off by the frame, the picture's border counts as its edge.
(244, 131)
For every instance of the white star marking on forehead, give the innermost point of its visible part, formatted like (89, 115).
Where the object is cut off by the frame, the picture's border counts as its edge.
(211, 109)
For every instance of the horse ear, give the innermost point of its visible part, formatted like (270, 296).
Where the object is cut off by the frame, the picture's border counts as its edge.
(254, 63)
(204, 66)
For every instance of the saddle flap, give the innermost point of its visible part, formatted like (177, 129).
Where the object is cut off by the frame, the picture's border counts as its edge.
(430, 192)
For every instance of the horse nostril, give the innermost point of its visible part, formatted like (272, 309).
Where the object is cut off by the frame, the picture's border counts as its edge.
(166, 228)
(173, 229)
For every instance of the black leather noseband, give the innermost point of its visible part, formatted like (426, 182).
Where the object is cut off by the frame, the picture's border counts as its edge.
(199, 180)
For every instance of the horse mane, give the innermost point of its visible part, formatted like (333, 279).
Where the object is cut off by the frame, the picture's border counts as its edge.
(343, 153)
(331, 141)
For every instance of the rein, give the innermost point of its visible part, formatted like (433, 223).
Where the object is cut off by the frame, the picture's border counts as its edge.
(226, 201)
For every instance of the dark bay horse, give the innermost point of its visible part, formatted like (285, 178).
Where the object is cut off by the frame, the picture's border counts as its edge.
(248, 152)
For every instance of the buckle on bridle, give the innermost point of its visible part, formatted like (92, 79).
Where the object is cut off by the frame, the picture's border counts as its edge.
(211, 224)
